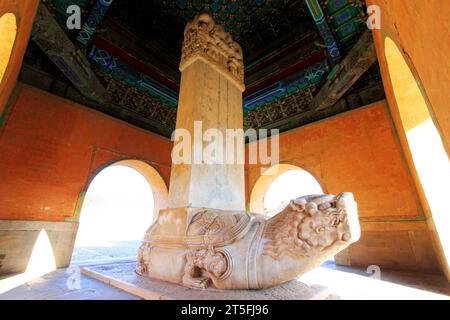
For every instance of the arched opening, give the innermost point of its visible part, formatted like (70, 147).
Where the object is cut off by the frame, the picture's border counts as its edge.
(288, 186)
(120, 204)
(8, 33)
(429, 157)
(279, 185)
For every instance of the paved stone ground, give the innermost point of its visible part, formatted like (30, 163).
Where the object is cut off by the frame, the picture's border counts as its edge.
(350, 283)
(123, 276)
(326, 282)
(53, 286)
(435, 283)
(107, 251)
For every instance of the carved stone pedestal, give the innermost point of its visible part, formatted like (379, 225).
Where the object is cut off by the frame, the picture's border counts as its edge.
(205, 239)
(209, 248)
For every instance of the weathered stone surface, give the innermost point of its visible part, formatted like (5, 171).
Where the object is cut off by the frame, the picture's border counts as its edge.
(203, 39)
(205, 239)
(209, 248)
(211, 94)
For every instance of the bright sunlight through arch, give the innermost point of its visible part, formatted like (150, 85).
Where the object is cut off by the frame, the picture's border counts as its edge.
(288, 186)
(117, 210)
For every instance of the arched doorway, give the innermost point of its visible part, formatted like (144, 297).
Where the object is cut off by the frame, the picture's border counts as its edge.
(120, 204)
(430, 160)
(279, 185)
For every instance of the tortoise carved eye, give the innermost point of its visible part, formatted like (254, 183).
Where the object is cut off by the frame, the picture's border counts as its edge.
(327, 205)
(320, 229)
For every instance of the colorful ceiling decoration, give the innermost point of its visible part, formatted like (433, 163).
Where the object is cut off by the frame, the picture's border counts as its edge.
(287, 62)
(283, 76)
(55, 43)
(135, 100)
(324, 29)
(300, 81)
(95, 17)
(260, 26)
(347, 19)
(279, 109)
(290, 47)
(121, 71)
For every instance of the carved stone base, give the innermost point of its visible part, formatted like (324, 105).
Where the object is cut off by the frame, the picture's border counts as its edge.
(206, 248)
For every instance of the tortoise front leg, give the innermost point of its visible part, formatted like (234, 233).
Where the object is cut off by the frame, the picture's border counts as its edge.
(191, 277)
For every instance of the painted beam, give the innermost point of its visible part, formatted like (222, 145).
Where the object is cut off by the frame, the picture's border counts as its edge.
(49, 36)
(355, 64)
(95, 17)
(279, 54)
(324, 29)
(121, 71)
(132, 61)
(306, 78)
(283, 74)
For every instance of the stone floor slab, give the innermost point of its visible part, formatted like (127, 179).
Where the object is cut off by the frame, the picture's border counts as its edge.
(53, 286)
(123, 276)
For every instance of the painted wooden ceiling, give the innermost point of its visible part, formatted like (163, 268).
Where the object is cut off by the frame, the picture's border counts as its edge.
(135, 50)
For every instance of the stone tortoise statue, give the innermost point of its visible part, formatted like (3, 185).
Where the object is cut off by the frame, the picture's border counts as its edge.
(239, 250)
